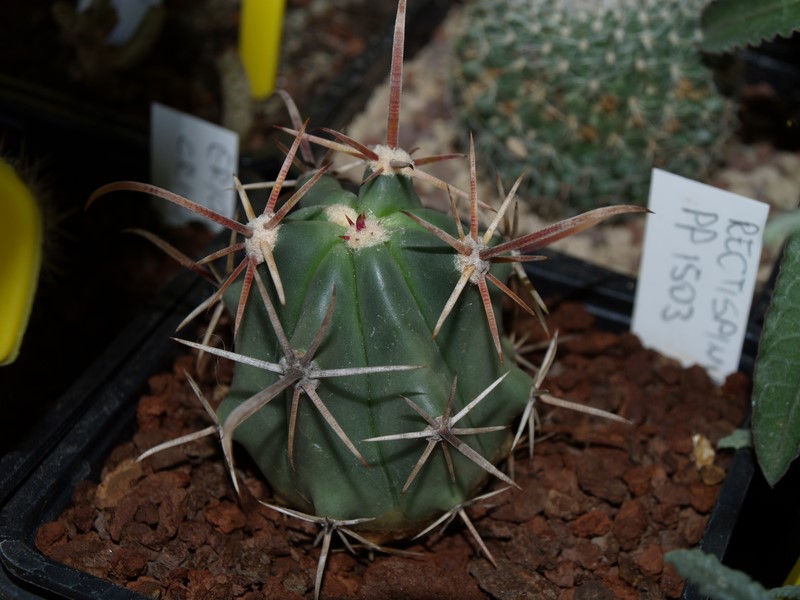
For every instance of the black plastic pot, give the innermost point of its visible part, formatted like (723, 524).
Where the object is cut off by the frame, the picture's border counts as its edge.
(36, 483)
(755, 528)
(37, 480)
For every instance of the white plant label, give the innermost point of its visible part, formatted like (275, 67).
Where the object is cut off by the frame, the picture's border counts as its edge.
(701, 254)
(130, 14)
(193, 158)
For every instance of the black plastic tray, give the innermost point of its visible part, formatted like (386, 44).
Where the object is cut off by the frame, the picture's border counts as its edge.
(36, 484)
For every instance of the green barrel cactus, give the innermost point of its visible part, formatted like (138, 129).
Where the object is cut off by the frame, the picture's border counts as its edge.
(588, 96)
(364, 286)
(374, 386)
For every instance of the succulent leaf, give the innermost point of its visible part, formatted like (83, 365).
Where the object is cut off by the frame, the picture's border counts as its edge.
(776, 380)
(731, 24)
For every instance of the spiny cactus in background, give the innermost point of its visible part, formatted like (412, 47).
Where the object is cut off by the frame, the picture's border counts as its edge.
(373, 384)
(588, 96)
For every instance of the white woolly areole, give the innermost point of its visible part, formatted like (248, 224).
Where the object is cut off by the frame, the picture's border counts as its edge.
(474, 260)
(340, 213)
(371, 233)
(261, 235)
(391, 161)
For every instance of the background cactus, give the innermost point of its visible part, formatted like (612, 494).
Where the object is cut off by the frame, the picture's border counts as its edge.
(374, 386)
(588, 96)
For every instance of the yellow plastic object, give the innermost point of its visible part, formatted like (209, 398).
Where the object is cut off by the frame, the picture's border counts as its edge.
(260, 29)
(794, 575)
(20, 259)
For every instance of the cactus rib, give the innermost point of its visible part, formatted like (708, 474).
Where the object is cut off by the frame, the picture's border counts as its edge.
(295, 368)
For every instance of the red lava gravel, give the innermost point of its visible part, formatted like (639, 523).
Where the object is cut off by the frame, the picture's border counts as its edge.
(599, 504)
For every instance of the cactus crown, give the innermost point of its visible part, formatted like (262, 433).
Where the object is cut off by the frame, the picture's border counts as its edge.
(372, 337)
(589, 96)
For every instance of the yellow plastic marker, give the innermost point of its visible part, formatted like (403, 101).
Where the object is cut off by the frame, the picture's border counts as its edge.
(260, 28)
(794, 575)
(20, 259)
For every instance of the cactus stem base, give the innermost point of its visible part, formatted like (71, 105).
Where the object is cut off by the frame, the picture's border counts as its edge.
(343, 530)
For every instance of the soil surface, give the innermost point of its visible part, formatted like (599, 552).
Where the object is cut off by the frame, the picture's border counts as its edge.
(599, 503)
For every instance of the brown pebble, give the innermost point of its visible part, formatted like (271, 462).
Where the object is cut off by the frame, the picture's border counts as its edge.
(507, 581)
(696, 379)
(665, 515)
(638, 480)
(146, 586)
(585, 553)
(593, 590)
(193, 533)
(562, 506)
(667, 369)
(51, 534)
(225, 516)
(630, 523)
(702, 497)
(591, 524)
(650, 560)
(127, 563)
(563, 575)
(671, 581)
(691, 526)
(671, 492)
(117, 483)
(595, 476)
(638, 367)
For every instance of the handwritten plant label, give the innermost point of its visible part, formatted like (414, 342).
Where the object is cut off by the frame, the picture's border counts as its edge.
(699, 263)
(193, 158)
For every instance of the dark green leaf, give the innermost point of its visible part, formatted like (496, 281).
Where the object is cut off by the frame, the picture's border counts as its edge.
(729, 24)
(776, 385)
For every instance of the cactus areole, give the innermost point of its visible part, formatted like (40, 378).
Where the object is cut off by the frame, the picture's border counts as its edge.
(391, 279)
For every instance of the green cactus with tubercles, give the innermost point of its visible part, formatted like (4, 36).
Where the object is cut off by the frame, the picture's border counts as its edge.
(374, 386)
(588, 96)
